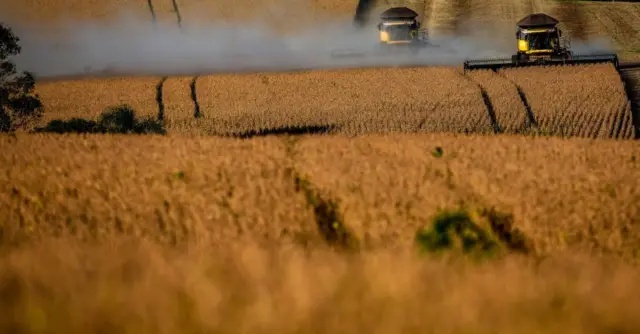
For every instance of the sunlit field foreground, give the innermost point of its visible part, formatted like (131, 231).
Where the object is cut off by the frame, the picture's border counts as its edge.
(382, 234)
(121, 286)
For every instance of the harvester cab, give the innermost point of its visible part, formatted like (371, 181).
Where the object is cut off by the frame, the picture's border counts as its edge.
(398, 29)
(538, 38)
(398, 25)
(540, 42)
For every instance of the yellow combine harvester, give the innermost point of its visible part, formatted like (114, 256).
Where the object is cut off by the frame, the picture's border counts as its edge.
(399, 32)
(398, 27)
(539, 43)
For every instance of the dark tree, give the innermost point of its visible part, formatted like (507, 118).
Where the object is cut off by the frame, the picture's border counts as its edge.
(18, 102)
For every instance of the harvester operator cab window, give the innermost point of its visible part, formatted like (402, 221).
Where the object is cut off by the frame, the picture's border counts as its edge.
(399, 32)
(539, 41)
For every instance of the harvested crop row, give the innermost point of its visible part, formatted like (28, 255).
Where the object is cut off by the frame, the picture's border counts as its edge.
(613, 21)
(503, 98)
(89, 97)
(165, 189)
(587, 101)
(352, 101)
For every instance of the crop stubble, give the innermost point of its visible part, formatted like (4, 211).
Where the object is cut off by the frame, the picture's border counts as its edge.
(284, 16)
(53, 13)
(611, 20)
(587, 101)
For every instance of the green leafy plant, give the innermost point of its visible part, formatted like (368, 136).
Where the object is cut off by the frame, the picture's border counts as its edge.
(118, 119)
(482, 233)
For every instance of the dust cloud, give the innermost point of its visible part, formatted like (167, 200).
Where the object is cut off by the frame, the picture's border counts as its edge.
(132, 46)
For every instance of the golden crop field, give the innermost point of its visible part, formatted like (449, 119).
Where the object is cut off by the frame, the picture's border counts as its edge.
(87, 98)
(612, 20)
(353, 101)
(363, 229)
(62, 286)
(178, 187)
(563, 193)
(175, 234)
(586, 101)
(502, 95)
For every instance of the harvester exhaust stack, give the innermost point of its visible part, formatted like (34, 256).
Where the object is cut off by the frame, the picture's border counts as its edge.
(539, 43)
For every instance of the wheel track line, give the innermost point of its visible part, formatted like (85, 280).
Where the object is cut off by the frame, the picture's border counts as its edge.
(160, 98)
(497, 129)
(176, 9)
(154, 18)
(531, 117)
(194, 97)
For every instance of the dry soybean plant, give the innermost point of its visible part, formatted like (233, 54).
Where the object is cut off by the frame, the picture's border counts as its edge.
(587, 101)
(168, 189)
(355, 101)
(561, 192)
(381, 188)
(87, 98)
(502, 97)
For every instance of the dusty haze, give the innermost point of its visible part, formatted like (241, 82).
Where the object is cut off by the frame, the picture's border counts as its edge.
(130, 45)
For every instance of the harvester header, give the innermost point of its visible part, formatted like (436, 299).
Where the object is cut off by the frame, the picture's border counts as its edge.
(539, 43)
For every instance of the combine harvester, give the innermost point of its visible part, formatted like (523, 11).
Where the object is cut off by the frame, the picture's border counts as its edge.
(539, 44)
(399, 31)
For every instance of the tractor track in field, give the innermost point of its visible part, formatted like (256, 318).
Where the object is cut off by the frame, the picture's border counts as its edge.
(491, 113)
(197, 113)
(531, 116)
(160, 98)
